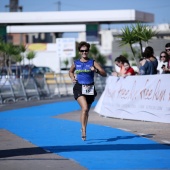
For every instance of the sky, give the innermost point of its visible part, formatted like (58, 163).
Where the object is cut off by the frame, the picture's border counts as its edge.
(160, 8)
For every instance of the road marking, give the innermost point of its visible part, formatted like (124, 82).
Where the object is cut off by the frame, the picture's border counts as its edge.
(166, 141)
(124, 129)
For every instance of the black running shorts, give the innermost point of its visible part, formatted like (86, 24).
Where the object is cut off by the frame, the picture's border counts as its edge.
(77, 91)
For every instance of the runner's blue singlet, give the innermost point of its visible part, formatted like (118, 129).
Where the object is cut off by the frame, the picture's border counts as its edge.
(83, 71)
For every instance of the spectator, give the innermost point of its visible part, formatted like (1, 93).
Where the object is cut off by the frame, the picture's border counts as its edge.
(163, 63)
(149, 55)
(167, 49)
(119, 61)
(129, 71)
(144, 68)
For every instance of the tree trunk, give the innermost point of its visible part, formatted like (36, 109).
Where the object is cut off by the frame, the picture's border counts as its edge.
(20, 70)
(136, 61)
(29, 72)
(140, 43)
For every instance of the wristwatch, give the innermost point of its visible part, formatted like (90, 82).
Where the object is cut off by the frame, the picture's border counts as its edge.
(96, 70)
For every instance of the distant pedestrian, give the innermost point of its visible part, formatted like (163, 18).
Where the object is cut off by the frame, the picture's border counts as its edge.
(84, 88)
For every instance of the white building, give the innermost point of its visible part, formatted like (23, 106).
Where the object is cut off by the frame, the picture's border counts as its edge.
(30, 26)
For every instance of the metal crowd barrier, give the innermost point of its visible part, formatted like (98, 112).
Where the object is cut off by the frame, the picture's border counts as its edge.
(6, 90)
(14, 89)
(58, 84)
(39, 87)
(31, 89)
(18, 89)
(100, 83)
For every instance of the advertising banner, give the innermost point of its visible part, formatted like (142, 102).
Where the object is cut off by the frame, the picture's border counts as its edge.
(66, 47)
(145, 98)
(37, 47)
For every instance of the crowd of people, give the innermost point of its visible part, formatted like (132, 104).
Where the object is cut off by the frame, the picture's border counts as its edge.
(82, 75)
(149, 64)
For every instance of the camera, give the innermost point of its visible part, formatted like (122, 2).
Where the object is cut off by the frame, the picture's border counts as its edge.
(163, 66)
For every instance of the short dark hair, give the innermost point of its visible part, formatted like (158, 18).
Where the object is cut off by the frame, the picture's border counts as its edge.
(126, 61)
(167, 45)
(122, 59)
(146, 54)
(83, 43)
(140, 59)
(149, 51)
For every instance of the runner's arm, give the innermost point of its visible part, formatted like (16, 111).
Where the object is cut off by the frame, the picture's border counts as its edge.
(99, 69)
(71, 73)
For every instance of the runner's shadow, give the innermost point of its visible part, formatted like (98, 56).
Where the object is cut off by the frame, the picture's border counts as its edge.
(107, 147)
(24, 152)
(118, 138)
(110, 139)
(80, 148)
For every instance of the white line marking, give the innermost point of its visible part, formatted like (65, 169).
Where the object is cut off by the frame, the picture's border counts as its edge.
(166, 141)
(124, 129)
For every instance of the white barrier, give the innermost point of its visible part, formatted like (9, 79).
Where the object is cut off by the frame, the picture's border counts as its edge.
(144, 98)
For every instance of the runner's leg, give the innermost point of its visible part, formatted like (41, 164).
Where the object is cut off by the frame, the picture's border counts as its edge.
(84, 113)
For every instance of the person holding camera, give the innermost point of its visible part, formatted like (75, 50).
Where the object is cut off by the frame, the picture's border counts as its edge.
(163, 63)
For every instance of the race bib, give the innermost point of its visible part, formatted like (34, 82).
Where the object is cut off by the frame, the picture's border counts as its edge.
(88, 89)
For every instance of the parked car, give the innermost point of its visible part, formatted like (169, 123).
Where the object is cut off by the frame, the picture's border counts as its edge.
(41, 70)
(27, 70)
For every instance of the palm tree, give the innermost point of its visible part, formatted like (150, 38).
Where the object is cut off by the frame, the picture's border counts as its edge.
(77, 56)
(93, 53)
(136, 34)
(142, 33)
(30, 56)
(23, 49)
(18, 59)
(96, 55)
(66, 62)
(1, 55)
(101, 59)
(127, 37)
(148, 34)
(8, 51)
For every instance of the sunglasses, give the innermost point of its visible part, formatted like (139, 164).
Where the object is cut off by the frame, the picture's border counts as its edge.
(84, 51)
(163, 56)
(167, 49)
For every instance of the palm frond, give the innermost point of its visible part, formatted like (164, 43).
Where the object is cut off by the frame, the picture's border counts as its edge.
(30, 55)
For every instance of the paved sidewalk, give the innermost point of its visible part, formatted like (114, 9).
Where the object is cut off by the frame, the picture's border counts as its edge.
(17, 152)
